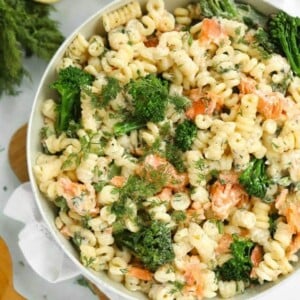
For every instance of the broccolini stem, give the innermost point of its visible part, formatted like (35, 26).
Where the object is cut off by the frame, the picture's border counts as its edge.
(123, 128)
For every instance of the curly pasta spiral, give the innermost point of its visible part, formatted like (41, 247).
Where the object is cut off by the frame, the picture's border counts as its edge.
(228, 289)
(88, 113)
(294, 89)
(121, 16)
(85, 170)
(163, 20)
(49, 188)
(204, 245)
(49, 109)
(57, 144)
(184, 16)
(275, 261)
(261, 211)
(47, 167)
(78, 50)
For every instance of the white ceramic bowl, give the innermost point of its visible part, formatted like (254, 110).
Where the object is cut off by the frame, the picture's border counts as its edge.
(89, 27)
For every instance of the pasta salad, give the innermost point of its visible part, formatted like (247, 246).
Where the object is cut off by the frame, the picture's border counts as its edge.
(172, 150)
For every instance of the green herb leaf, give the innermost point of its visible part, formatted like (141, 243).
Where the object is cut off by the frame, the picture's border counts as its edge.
(152, 244)
(25, 27)
(109, 91)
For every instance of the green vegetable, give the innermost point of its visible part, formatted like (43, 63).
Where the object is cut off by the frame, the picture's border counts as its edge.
(254, 179)
(285, 33)
(178, 216)
(69, 84)
(239, 266)
(98, 186)
(149, 182)
(230, 10)
(250, 16)
(280, 33)
(77, 239)
(61, 203)
(73, 159)
(85, 221)
(25, 27)
(174, 156)
(263, 40)
(177, 288)
(114, 170)
(110, 91)
(72, 129)
(180, 102)
(152, 244)
(149, 97)
(135, 189)
(220, 8)
(185, 134)
(124, 127)
(282, 85)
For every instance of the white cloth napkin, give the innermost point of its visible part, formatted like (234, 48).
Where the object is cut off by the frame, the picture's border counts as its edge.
(35, 240)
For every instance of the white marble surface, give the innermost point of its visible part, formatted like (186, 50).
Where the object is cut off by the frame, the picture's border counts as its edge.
(14, 112)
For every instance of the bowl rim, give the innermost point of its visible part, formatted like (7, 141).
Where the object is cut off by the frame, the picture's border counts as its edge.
(36, 193)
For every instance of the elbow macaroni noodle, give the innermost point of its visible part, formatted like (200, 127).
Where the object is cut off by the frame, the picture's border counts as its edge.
(236, 86)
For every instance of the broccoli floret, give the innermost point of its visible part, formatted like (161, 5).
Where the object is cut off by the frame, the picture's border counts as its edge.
(185, 134)
(152, 245)
(69, 84)
(239, 266)
(149, 98)
(220, 8)
(285, 32)
(254, 179)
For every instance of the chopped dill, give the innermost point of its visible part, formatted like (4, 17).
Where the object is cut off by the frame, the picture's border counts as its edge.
(77, 239)
(109, 91)
(178, 216)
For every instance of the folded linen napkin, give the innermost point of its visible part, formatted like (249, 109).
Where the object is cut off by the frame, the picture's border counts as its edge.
(35, 240)
(37, 243)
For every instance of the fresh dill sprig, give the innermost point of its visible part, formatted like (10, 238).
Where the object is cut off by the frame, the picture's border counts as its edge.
(109, 91)
(25, 28)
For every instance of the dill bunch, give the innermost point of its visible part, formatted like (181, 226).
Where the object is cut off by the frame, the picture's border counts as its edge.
(25, 29)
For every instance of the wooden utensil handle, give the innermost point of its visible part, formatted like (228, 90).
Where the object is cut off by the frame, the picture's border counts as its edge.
(7, 290)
